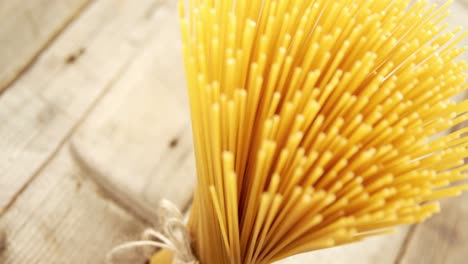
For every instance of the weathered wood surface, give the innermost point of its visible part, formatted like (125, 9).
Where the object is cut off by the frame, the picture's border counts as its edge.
(62, 218)
(140, 132)
(144, 123)
(27, 28)
(59, 213)
(112, 83)
(41, 110)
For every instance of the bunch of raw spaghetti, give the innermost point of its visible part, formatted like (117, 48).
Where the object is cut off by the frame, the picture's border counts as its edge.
(315, 122)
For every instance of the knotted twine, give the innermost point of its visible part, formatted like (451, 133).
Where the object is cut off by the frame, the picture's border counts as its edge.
(174, 236)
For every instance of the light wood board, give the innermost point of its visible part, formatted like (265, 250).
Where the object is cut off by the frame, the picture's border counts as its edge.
(62, 218)
(140, 132)
(61, 213)
(41, 110)
(27, 28)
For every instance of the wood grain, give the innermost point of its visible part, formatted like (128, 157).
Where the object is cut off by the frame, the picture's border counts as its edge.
(140, 132)
(60, 213)
(44, 106)
(28, 27)
(62, 218)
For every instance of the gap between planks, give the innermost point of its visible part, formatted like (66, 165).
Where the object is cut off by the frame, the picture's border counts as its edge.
(23, 67)
(45, 117)
(61, 168)
(64, 140)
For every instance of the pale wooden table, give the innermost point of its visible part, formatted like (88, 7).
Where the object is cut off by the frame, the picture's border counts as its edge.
(107, 75)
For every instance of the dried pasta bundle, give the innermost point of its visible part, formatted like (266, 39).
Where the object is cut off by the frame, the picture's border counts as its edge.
(314, 122)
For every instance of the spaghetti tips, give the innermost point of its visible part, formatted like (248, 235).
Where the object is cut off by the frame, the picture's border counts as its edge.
(314, 122)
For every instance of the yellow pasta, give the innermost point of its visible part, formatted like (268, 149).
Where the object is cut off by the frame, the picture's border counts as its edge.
(314, 122)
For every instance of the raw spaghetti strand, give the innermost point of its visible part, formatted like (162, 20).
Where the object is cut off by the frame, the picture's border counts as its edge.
(314, 122)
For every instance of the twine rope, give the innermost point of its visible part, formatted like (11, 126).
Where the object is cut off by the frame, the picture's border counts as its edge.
(174, 236)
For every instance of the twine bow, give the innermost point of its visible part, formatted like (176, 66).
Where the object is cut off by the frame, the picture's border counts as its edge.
(174, 236)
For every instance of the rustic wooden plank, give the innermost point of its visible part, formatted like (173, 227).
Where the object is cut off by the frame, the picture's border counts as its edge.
(27, 29)
(140, 133)
(43, 107)
(143, 126)
(62, 218)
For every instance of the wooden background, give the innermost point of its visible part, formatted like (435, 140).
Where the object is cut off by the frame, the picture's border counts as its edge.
(107, 76)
